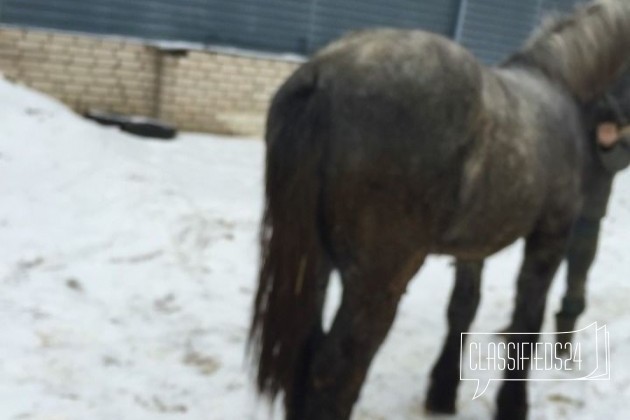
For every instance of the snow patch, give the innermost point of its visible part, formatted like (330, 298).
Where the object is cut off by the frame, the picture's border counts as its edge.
(128, 269)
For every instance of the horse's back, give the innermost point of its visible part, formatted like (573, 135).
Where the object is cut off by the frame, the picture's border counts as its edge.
(414, 73)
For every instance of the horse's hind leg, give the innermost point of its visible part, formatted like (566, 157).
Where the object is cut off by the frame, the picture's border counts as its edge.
(544, 251)
(461, 312)
(371, 292)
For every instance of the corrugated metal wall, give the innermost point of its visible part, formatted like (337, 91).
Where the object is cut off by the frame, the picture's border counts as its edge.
(332, 18)
(560, 5)
(298, 26)
(491, 28)
(495, 28)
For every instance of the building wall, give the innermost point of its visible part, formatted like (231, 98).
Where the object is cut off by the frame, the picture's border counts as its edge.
(208, 90)
(221, 93)
(196, 90)
(297, 26)
(493, 29)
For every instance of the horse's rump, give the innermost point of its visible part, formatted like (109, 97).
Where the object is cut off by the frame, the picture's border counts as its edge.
(404, 106)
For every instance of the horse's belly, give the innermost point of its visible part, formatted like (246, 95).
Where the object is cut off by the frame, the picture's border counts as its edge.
(491, 220)
(473, 248)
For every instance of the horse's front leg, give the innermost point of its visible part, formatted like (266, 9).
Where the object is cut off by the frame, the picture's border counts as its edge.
(543, 253)
(580, 256)
(461, 312)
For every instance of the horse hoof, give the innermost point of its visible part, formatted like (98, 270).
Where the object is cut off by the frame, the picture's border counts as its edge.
(439, 403)
(512, 415)
(432, 408)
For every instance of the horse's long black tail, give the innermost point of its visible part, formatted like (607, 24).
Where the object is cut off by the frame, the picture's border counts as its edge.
(287, 308)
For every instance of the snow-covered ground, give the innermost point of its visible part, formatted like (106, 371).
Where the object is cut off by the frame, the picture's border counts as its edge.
(127, 269)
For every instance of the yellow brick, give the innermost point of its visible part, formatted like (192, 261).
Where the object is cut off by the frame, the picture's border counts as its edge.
(35, 36)
(10, 34)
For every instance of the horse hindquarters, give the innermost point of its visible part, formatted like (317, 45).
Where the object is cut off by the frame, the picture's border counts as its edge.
(375, 247)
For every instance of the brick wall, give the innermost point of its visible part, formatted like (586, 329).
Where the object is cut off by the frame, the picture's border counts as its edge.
(197, 90)
(209, 91)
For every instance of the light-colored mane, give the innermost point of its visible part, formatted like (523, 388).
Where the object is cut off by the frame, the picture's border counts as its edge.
(585, 51)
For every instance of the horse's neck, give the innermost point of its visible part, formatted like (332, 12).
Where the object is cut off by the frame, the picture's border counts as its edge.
(584, 52)
(513, 95)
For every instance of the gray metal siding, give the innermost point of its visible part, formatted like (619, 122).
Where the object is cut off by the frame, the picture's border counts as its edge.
(299, 26)
(561, 5)
(270, 25)
(490, 28)
(258, 24)
(334, 17)
(495, 28)
(132, 18)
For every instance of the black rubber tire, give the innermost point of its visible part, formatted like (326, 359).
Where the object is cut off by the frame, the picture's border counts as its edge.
(140, 126)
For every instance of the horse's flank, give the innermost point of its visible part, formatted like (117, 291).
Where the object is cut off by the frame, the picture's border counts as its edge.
(508, 172)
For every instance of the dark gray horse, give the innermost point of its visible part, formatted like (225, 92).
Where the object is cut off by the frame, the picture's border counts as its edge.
(390, 145)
